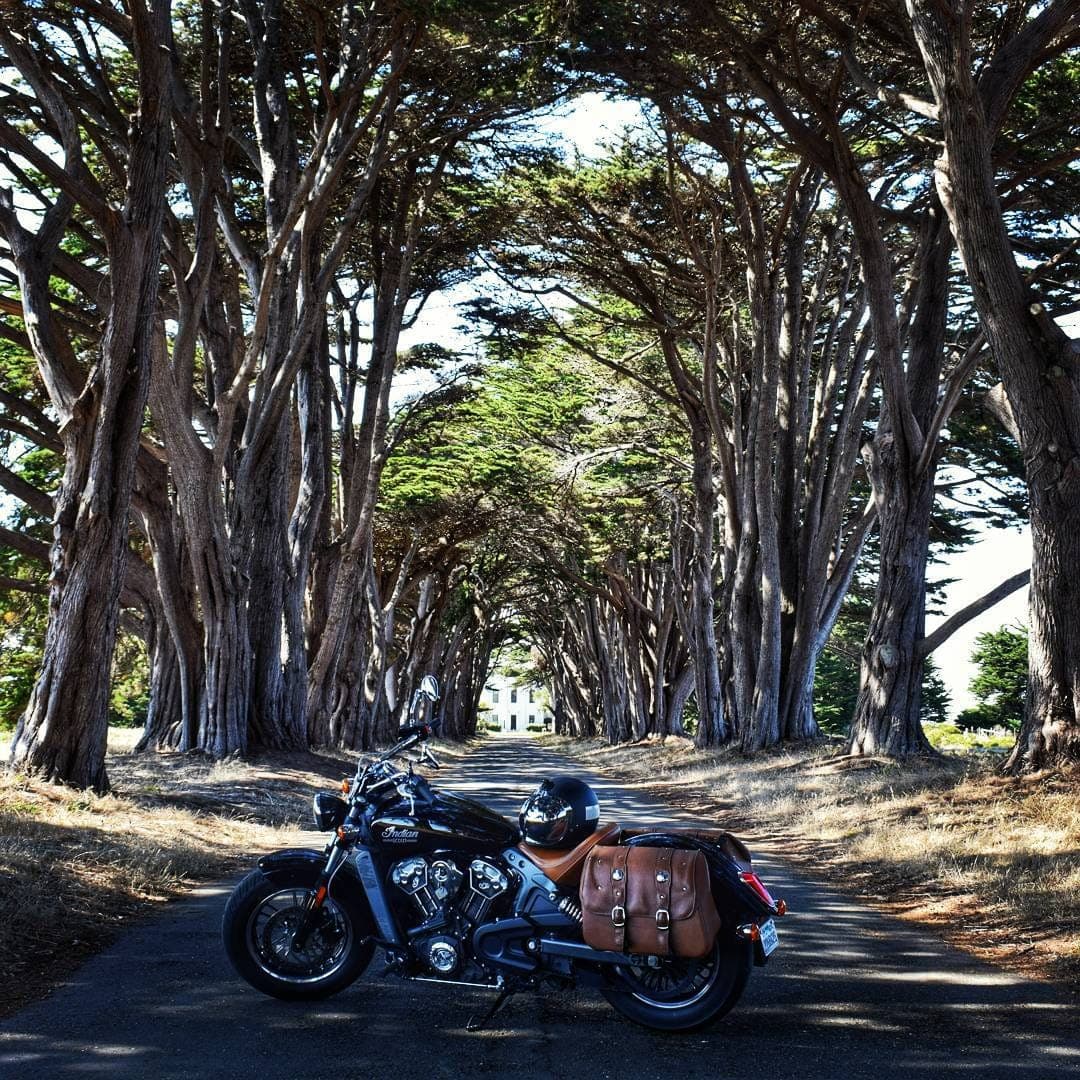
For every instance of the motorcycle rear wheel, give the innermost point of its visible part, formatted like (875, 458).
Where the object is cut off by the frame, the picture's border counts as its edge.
(262, 915)
(674, 994)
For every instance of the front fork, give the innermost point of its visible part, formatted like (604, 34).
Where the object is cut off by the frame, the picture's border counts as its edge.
(317, 896)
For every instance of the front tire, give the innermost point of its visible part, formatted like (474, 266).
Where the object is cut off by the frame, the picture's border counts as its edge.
(681, 995)
(257, 928)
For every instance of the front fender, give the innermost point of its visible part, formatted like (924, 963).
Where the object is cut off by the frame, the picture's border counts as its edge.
(291, 863)
(303, 866)
(357, 878)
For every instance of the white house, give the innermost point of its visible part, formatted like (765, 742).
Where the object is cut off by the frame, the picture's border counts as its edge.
(515, 708)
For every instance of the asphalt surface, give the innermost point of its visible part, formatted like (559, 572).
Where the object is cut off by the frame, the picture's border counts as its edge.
(850, 994)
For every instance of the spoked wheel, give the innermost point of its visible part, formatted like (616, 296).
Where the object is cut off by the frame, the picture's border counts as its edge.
(675, 994)
(259, 929)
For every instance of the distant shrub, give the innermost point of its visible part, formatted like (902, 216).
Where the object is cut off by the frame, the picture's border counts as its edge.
(1000, 686)
(946, 735)
(977, 718)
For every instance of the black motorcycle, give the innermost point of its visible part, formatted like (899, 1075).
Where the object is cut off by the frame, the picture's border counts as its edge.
(444, 887)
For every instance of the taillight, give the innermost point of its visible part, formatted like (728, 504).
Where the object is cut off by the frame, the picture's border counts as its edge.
(748, 877)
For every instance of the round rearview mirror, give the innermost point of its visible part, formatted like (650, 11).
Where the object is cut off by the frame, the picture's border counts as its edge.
(429, 687)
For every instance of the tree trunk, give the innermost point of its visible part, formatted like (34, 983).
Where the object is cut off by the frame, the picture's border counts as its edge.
(227, 657)
(62, 734)
(713, 727)
(887, 716)
(1037, 360)
(164, 728)
(886, 719)
(308, 519)
(177, 663)
(271, 722)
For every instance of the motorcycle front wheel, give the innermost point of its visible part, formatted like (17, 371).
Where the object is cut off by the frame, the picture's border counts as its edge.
(258, 928)
(673, 994)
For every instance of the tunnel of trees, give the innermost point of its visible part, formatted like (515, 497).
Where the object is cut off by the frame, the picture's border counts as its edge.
(732, 383)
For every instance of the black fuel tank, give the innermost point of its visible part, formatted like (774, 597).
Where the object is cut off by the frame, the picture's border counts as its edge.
(445, 822)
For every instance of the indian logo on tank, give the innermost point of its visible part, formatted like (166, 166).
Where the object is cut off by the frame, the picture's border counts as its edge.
(397, 834)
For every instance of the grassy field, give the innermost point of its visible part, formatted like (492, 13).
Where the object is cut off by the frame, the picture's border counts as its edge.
(993, 863)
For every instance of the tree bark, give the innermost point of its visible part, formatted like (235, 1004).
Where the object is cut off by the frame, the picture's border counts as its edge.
(886, 719)
(887, 716)
(1039, 364)
(62, 735)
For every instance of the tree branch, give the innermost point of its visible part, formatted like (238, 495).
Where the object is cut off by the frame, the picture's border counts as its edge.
(14, 584)
(949, 627)
(885, 94)
(25, 545)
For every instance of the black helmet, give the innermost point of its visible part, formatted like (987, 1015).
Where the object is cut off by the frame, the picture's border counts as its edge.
(560, 813)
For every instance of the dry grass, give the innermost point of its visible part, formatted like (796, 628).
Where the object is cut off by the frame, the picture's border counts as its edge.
(75, 867)
(993, 862)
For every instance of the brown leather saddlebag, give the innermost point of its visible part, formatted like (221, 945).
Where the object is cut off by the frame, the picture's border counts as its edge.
(649, 900)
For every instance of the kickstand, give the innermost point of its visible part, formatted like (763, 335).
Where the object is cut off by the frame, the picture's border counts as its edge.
(478, 1023)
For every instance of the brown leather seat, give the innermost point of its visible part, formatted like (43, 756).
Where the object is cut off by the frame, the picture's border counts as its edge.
(564, 867)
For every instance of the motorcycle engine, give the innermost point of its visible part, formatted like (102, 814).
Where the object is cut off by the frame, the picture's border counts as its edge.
(452, 902)
(431, 884)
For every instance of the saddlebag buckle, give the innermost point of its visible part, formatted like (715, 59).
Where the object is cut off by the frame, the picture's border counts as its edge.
(663, 919)
(618, 916)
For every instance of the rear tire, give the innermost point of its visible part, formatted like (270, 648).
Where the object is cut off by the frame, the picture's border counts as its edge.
(681, 995)
(257, 928)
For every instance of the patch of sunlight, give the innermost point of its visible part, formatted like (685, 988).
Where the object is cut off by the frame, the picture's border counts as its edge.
(878, 1024)
(950, 978)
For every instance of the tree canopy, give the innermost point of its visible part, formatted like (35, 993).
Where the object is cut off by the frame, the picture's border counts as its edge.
(732, 384)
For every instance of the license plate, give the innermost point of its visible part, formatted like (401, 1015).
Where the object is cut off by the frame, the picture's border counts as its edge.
(767, 936)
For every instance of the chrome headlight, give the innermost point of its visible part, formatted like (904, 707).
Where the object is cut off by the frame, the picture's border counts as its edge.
(328, 810)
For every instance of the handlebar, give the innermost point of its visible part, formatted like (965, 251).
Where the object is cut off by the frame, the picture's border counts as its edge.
(413, 735)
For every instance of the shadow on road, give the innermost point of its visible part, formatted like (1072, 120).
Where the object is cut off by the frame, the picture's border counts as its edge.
(851, 994)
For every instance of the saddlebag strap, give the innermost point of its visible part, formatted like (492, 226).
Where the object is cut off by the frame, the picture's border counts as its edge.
(662, 917)
(618, 897)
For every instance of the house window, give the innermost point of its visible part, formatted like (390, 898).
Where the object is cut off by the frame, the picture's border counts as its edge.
(494, 697)
(532, 696)
(532, 719)
(513, 697)
(513, 722)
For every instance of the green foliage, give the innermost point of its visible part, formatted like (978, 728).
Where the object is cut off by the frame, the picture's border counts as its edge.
(22, 633)
(934, 706)
(129, 698)
(20, 666)
(836, 689)
(18, 371)
(485, 441)
(948, 735)
(1000, 683)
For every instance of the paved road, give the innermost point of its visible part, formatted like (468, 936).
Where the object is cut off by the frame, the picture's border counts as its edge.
(851, 994)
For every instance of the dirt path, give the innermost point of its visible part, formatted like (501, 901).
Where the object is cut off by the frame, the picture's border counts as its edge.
(851, 994)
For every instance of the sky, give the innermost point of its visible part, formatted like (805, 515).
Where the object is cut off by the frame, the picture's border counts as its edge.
(997, 555)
